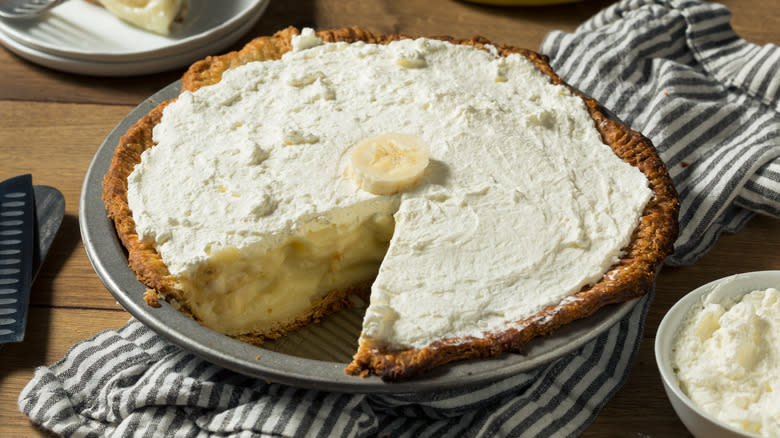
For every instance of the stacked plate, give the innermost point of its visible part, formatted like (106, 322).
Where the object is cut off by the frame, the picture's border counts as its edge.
(79, 37)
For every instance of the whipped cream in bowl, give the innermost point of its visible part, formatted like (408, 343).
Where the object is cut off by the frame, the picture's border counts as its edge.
(718, 353)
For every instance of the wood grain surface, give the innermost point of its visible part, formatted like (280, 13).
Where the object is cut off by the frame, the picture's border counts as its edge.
(52, 123)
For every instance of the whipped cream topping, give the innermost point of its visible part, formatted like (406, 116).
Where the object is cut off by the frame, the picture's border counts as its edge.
(727, 359)
(522, 204)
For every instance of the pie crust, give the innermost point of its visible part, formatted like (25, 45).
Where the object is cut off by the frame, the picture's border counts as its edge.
(631, 277)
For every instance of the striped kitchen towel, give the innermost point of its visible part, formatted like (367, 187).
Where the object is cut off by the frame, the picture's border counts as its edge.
(674, 70)
(709, 101)
(132, 382)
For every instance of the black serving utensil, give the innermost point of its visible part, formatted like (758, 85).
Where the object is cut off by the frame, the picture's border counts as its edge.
(29, 220)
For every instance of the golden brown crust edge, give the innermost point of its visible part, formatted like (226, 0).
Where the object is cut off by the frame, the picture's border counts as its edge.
(631, 277)
(142, 257)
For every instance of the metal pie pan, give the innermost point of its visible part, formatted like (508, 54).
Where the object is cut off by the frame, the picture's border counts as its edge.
(314, 357)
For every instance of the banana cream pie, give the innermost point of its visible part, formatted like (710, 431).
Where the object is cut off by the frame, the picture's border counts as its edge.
(156, 16)
(476, 199)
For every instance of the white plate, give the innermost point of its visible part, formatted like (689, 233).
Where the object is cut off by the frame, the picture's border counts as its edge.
(131, 67)
(83, 31)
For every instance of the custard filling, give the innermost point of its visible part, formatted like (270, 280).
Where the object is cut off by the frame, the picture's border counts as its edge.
(255, 288)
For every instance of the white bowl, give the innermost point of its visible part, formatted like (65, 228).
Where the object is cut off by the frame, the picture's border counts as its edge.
(698, 422)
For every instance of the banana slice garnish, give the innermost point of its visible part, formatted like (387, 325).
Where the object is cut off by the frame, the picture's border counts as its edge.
(388, 164)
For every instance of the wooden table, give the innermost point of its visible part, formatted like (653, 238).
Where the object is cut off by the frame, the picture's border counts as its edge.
(52, 123)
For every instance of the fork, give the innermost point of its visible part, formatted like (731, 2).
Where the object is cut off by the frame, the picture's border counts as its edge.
(26, 8)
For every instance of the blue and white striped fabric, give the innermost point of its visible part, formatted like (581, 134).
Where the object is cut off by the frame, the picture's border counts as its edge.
(132, 382)
(709, 101)
(671, 69)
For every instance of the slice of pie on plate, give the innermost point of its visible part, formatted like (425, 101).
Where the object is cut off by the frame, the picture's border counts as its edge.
(156, 16)
(476, 199)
